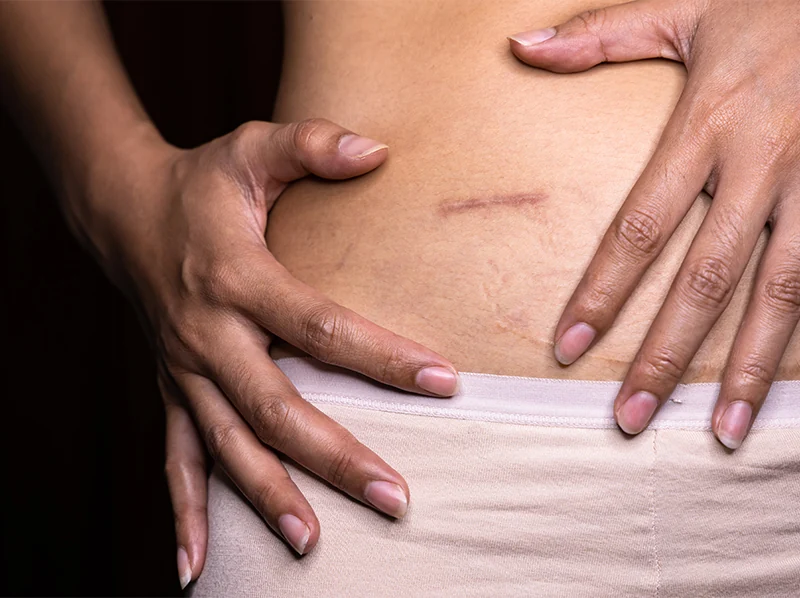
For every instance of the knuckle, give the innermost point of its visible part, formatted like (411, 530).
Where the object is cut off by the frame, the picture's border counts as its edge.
(214, 284)
(593, 20)
(782, 293)
(322, 331)
(341, 464)
(715, 115)
(181, 338)
(598, 304)
(212, 278)
(663, 365)
(264, 496)
(392, 362)
(778, 141)
(272, 420)
(310, 135)
(225, 281)
(220, 437)
(754, 372)
(638, 234)
(708, 283)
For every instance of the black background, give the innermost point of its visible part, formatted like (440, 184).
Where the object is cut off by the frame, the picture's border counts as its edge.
(85, 509)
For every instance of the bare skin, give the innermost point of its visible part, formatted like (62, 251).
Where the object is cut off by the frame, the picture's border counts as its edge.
(497, 191)
(468, 235)
(734, 133)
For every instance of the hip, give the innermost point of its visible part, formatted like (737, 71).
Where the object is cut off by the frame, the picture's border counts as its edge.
(512, 495)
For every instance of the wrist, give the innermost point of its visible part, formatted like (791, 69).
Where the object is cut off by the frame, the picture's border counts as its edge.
(107, 190)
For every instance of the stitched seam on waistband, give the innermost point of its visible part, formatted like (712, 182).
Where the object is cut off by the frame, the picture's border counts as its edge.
(522, 418)
(463, 414)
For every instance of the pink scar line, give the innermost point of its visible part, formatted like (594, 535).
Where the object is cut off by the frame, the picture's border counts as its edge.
(515, 200)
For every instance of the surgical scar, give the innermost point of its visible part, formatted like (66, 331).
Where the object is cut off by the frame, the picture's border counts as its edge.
(451, 207)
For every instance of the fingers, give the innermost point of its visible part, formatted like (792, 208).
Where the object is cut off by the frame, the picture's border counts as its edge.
(655, 206)
(333, 334)
(699, 294)
(186, 477)
(256, 471)
(285, 421)
(621, 33)
(284, 153)
(771, 318)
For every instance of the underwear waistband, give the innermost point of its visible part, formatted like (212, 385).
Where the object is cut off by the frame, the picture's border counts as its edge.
(528, 401)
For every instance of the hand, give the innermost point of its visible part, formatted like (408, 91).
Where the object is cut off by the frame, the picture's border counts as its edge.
(184, 236)
(736, 131)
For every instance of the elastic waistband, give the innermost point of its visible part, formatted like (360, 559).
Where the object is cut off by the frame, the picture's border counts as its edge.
(528, 401)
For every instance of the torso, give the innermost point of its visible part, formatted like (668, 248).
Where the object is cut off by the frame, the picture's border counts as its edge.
(500, 183)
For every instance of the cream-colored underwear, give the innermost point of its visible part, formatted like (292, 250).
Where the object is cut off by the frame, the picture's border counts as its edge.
(526, 487)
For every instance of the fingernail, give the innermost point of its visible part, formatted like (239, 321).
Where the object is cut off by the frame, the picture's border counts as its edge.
(184, 568)
(635, 414)
(734, 424)
(574, 342)
(531, 38)
(356, 146)
(437, 380)
(295, 531)
(387, 497)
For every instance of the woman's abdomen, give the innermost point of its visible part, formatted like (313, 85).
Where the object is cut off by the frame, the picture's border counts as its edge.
(500, 182)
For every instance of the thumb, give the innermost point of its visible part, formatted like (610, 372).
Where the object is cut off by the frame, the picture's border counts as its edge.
(631, 31)
(316, 146)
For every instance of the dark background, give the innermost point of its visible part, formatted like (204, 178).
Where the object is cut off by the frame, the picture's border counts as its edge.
(85, 508)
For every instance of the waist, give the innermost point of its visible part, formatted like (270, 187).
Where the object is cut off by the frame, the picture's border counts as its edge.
(500, 183)
(528, 401)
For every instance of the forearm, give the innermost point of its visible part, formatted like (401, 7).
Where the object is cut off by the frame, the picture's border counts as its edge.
(63, 81)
